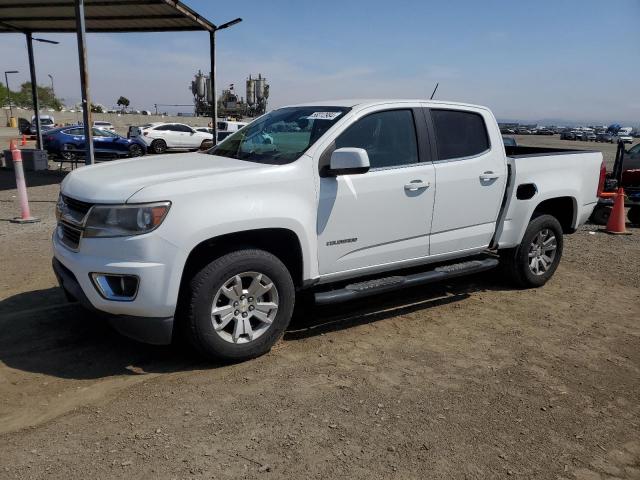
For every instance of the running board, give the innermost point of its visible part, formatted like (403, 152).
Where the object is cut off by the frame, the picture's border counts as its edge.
(388, 284)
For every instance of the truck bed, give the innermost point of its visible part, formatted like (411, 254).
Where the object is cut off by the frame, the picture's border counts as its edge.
(546, 173)
(522, 151)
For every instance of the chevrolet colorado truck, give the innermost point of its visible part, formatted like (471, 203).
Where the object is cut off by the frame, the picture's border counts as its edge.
(342, 199)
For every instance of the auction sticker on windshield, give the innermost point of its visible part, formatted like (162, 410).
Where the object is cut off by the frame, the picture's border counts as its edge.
(324, 115)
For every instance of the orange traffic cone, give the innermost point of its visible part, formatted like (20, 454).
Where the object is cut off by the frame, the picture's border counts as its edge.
(617, 219)
(24, 140)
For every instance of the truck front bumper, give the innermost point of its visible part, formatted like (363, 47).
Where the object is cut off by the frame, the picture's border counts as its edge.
(154, 330)
(148, 315)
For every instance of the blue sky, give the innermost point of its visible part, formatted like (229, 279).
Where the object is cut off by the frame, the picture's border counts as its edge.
(562, 59)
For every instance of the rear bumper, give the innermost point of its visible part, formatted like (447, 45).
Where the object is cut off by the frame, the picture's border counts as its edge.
(153, 330)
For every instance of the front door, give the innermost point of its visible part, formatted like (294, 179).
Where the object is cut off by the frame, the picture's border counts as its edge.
(382, 216)
(471, 172)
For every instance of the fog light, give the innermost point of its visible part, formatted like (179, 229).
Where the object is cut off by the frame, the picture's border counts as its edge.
(121, 288)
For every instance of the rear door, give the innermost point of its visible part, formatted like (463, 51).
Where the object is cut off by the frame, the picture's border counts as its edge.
(382, 216)
(471, 174)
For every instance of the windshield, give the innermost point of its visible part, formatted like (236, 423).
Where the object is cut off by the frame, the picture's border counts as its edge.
(280, 136)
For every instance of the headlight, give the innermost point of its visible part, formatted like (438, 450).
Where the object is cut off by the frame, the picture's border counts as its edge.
(125, 220)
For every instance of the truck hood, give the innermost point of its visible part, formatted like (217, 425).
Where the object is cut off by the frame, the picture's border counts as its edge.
(116, 181)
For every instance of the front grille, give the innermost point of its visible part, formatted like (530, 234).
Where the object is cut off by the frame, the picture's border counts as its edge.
(69, 234)
(77, 205)
(71, 218)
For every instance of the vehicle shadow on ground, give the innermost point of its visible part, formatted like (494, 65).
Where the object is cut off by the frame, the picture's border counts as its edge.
(40, 332)
(310, 320)
(33, 179)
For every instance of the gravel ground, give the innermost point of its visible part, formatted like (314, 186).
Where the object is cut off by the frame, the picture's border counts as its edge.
(469, 379)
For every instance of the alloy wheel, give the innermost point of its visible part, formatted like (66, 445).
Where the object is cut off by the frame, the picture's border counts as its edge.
(244, 307)
(542, 251)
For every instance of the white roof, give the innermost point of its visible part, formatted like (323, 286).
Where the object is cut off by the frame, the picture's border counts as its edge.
(363, 103)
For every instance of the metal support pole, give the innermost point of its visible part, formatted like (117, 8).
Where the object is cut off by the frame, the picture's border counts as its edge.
(84, 81)
(212, 76)
(34, 90)
(6, 81)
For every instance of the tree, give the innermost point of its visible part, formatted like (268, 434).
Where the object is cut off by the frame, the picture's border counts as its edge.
(45, 96)
(123, 102)
(97, 108)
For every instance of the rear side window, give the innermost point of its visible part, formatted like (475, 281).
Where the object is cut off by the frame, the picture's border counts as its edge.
(388, 137)
(459, 134)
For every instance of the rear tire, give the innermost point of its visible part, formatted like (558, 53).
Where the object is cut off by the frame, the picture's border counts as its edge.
(634, 215)
(135, 151)
(67, 154)
(532, 263)
(158, 146)
(601, 214)
(239, 305)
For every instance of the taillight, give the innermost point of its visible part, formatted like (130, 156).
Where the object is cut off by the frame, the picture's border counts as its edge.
(603, 176)
(145, 133)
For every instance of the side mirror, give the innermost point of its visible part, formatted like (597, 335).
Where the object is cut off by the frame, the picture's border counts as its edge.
(349, 161)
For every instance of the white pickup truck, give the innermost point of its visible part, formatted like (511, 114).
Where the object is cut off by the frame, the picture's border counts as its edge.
(338, 198)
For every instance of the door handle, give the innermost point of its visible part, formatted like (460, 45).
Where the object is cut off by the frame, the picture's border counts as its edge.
(489, 176)
(416, 185)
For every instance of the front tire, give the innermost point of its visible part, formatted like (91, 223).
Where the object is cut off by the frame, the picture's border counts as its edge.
(239, 305)
(532, 263)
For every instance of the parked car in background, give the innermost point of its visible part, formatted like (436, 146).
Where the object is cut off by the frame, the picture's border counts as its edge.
(568, 135)
(605, 138)
(623, 137)
(46, 123)
(102, 125)
(160, 137)
(544, 131)
(509, 141)
(69, 143)
(523, 131)
(588, 137)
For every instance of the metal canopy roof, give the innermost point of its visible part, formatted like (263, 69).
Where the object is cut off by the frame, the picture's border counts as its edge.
(100, 16)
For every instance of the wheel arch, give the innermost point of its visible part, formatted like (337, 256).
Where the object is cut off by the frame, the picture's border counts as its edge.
(281, 242)
(564, 208)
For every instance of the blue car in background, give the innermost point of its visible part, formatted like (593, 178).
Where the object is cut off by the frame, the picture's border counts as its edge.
(68, 143)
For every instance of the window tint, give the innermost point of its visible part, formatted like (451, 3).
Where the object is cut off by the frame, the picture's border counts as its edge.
(459, 134)
(164, 127)
(75, 131)
(388, 137)
(181, 128)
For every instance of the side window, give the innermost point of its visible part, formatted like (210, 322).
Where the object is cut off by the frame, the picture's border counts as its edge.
(163, 127)
(388, 137)
(181, 128)
(459, 134)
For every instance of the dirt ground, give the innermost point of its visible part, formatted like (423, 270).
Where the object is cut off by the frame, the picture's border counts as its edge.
(469, 379)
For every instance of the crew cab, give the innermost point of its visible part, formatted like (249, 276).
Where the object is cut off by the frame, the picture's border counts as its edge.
(337, 199)
(160, 137)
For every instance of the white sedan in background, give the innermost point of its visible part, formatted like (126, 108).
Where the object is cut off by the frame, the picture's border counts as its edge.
(161, 137)
(101, 125)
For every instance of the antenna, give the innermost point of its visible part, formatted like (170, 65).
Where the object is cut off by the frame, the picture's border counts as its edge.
(434, 91)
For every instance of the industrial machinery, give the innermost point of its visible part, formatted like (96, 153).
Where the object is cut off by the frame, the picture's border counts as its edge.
(230, 105)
